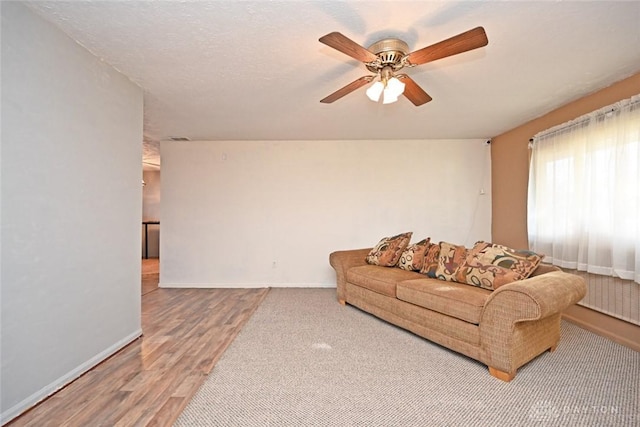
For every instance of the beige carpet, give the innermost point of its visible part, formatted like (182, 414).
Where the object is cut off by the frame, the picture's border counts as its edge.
(305, 360)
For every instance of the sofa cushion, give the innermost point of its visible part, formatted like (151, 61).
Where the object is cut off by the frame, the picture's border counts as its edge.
(451, 257)
(388, 250)
(377, 279)
(544, 268)
(413, 257)
(490, 266)
(445, 330)
(457, 300)
(430, 264)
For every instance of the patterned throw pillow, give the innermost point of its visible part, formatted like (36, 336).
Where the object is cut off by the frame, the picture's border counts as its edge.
(451, 257)
(413, 257)
(490, 266)
(388, 250)
(430, 264)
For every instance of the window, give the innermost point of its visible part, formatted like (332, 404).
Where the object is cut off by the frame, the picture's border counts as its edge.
(584, 192)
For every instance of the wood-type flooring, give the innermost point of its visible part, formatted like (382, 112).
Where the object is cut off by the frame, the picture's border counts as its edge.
(150, 381)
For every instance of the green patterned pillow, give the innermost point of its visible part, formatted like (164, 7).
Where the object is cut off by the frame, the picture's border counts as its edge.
(430, 264)
(413, 257)
(451, 257)
(490, 266)
(388, 250)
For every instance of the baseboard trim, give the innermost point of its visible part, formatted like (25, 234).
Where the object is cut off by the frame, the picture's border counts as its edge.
(245, 285)
(612, 328)
(66, 379)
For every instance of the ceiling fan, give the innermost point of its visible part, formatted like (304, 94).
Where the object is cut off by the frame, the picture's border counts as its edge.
(388, 56)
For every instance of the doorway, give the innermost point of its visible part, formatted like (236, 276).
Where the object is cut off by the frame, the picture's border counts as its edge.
(150, 227)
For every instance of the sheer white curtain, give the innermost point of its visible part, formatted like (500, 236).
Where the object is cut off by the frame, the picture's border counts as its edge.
(584, 192)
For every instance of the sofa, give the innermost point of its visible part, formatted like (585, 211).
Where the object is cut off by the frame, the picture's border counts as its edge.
(504, 328)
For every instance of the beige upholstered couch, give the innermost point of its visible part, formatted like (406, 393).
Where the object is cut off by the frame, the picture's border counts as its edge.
(503, 329)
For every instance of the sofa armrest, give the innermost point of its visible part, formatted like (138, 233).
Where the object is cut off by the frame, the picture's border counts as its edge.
(536, 297)
(342, 261)
(512, 309)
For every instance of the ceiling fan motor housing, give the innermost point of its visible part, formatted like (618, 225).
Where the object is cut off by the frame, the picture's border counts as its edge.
(389, 52)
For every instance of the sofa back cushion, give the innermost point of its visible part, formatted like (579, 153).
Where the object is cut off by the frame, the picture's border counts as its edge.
(388, 250)
(412, 257)
(490, 266)
(378, 279)
(430, 263)
(544, 268)
(450, 258)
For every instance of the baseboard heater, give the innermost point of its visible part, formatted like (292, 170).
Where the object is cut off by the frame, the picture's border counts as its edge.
(612, 296)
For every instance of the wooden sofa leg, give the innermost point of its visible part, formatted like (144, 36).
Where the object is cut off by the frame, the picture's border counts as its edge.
(553, 348)
(342, 302)
(501, 375)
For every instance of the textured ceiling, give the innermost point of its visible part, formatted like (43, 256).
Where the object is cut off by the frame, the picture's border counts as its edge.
(254, 70)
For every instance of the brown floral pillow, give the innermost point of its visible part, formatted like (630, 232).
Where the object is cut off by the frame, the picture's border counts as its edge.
(413, 257)
(430, 264)
(490, 266)
(451, 257)
(388, 250)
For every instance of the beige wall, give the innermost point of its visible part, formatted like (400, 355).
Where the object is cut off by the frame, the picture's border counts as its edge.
(71, 153)
(268, 213)
(510, 160)
(509, 180)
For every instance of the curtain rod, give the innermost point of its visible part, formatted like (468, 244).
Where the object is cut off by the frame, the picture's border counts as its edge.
(632, 102)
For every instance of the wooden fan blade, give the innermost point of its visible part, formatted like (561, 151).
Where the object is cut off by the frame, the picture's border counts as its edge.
(347, 46)
(356, 84)
(413, 92)
(463, 42)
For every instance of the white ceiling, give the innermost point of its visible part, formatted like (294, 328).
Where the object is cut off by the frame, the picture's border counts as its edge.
(254, 70)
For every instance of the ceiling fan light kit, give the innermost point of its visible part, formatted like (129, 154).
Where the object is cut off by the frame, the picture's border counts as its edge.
(386, 57)
(389, 87)
(389, 99)
(375, 90)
